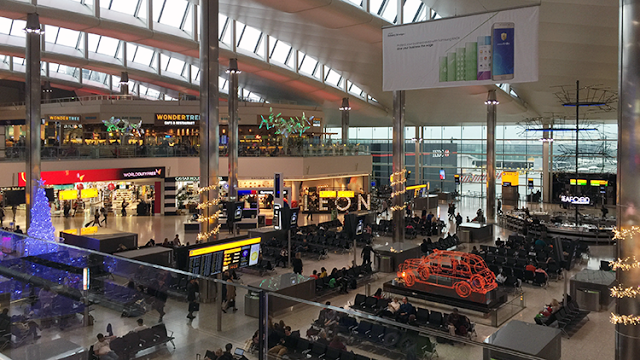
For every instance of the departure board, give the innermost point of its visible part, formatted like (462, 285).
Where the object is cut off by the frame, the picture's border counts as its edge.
(211, 260)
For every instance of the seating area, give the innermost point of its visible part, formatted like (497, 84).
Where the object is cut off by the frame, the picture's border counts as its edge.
(511, 259)
(128, 345)
(447, 243)
(568, 318)
(424, 318)
(414, 226)
(344, 279)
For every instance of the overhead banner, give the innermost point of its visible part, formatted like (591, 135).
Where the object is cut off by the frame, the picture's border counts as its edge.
(488, 48)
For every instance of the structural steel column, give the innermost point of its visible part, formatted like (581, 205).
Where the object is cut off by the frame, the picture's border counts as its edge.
(418, 156)
(546, 174)
(398, 166)
(491, 156)
(124, 83)
(345, 108)
(233, 128)
(628, 202)
(33, 121)
(209, 109)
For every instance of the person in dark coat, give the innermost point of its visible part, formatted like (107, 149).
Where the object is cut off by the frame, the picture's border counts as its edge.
(366, 254)
(297, 264)
(192, 290)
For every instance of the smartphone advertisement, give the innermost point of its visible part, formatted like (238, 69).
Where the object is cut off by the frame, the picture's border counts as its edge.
(487, 48)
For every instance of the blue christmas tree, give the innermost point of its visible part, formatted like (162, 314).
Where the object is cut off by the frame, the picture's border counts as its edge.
(41, 227)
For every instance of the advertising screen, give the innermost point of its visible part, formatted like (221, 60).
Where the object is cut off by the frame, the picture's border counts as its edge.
(480, 49)
(215, 259)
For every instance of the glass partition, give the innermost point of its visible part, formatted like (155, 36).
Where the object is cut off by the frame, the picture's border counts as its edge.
(58, 298)
(347, 330)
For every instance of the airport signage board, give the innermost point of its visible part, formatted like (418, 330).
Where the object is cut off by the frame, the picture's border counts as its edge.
(481, 49)
(578, 200)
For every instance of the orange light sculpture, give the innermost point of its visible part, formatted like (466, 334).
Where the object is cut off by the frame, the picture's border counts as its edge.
(464, 272)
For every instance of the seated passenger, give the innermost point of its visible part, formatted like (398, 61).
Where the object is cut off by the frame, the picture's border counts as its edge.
(337, 343)
(530, 267)
(458, 324)
(210, 355)
(378, 294)
(391, 309)
(285, 344)
(405, 310)
(102, 349)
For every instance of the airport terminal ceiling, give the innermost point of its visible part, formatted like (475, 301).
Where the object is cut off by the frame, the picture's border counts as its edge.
(578, 41)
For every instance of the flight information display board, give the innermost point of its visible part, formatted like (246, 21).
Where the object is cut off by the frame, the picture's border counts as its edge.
(215, 259)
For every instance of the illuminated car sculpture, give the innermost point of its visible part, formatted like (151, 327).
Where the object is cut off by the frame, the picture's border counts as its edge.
(464, 272)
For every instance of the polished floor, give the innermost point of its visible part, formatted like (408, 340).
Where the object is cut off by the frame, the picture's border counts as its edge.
(595, 340)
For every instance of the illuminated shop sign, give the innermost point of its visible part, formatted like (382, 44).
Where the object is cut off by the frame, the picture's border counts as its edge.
(188, 178)
(75, 176)
(177, 119)
(578, 200)
(63, 118)
(143, 174)
(440, 153)
(580, 181)
(347, 196)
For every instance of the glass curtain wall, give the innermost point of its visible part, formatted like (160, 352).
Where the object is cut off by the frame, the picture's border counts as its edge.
(461, 149)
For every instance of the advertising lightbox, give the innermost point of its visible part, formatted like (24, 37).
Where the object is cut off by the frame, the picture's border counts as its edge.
(488, 48)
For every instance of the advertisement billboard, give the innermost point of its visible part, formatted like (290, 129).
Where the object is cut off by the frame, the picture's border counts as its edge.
(487, 48)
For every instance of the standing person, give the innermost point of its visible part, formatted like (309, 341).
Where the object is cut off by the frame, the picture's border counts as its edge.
(1, 216)
(66, 209)
(458, 221)
(14, 208)
(96, 220)
(604, 210)
(176, 241)
(192, 291)
(366, 254)
(103, 211)
(297, 264)
(230, 298)
(18, 230)
(309, 213)
(124, 208)
(499, 207)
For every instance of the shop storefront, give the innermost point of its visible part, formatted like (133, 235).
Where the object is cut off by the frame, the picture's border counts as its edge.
(136, 190)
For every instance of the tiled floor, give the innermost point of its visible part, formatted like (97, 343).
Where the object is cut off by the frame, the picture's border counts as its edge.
(595, 340)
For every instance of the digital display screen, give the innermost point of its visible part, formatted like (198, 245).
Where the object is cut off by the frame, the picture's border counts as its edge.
(276, 217)
(238, 213)
(503, 51)
(442, 175)
(360, 227)
(215, 259)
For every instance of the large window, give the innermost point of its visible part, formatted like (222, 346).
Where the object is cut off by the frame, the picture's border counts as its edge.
(461, 150)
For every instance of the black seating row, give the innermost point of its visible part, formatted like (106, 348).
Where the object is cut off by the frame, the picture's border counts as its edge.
(443, 244)
(128, 345)
(424, 317)
(568, 318)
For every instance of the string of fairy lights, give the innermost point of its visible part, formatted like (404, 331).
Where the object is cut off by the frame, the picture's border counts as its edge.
(398, 178)
(626, 264)
(205, 235)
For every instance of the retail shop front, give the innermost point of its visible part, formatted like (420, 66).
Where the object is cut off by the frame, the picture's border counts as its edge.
(138, 189)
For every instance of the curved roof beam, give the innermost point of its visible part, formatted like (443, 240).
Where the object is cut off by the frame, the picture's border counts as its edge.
(180, 43)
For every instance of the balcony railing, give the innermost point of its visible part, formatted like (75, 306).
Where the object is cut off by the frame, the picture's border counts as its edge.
(76, 152)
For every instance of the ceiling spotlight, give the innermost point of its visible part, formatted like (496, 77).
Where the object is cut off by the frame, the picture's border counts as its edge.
(233, 67)
(345, 104)
(491, 98)
(124, 78)
(33, 24)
